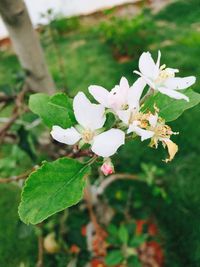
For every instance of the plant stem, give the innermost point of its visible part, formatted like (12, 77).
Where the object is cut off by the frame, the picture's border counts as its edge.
(145, 97)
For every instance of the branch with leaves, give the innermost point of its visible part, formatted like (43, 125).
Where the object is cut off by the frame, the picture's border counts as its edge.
(98, 130)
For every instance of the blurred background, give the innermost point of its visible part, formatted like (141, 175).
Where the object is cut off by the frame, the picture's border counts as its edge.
(97, 42)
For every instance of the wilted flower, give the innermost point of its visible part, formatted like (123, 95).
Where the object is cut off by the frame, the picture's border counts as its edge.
(91, 118)
(161, 78)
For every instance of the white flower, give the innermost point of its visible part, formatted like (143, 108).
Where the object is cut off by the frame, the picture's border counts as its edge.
(91, 118)
(121, 97)
(157, 131)
(161, 78)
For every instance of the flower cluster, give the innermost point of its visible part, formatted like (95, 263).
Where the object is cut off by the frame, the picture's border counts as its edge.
(125, 102)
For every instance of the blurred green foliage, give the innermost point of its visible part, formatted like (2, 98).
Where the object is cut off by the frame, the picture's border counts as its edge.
(128, 36)
(17, 241)
(63, 25)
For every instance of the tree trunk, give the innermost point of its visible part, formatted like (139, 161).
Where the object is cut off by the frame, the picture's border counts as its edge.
(26, 45)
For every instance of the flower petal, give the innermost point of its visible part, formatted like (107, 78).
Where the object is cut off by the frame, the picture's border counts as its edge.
(68, 136)
(147, 80)
(90, 116)
(180, 83)
(145, 134)
(107, 143)
(135, 93)
(173, 93)
(100, 94)
(147, 66)
(124, 85)
(158, 60)
(124, 115)
(172, 149)
(153, 120)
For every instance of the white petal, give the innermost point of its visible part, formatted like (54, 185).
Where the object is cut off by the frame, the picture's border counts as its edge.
(173, 94)
(145, 134)
(124, 115)
(147, 66)
(90, 116)
(153, 120)
(124, 83)
(107, 143)
(135, 93)
(158, 60)
(100, 94)
(118, 95)
(180, 83)
(147, 80)
(68, 136)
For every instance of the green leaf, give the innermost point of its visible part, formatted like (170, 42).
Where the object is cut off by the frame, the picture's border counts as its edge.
(134, 261)
(123, 234)
(171, 109)
(54, 110)
(51, 188)
(112, 230)
(114, 257)
(138, 240)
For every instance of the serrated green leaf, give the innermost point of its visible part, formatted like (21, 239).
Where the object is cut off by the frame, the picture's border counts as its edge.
(123, 234)
(114, 257)
(51, 188)
(170, 109)
(54, 110)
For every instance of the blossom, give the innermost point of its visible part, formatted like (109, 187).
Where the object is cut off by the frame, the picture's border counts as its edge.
(120, 97)
(161, 78)
(90, 118)
(107, 167)
(132, 117)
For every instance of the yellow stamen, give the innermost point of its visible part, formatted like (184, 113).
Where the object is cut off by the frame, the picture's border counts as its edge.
(87, 135)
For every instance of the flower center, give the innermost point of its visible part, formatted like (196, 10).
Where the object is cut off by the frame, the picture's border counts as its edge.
(138, 116)
(87, 135)
(124, 106)
(164, 74)
(162, 131)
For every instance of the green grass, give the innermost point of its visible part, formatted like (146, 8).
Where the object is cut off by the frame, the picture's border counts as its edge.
(88, 60)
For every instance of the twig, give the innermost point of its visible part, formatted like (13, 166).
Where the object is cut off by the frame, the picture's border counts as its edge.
(6, 98)
(77, 153)
(97, 242)
(88, 200)
(15, 114)
(112, 178)
(145, 97)
(40, 248)
(22, 176)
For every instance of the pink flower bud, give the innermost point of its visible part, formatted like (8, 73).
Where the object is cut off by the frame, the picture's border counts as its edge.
(107, 168)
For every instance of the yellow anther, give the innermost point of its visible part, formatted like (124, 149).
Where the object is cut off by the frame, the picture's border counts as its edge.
(87, 135)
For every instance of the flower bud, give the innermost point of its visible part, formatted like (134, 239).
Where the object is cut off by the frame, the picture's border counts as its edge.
(107, 168)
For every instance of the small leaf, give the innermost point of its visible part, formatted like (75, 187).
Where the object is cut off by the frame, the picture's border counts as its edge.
(123, 234)
(112, 230)
(114, 257)
(170, 109)
(54, 110)
(138, 240)
(51, 188)
(134, 261)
